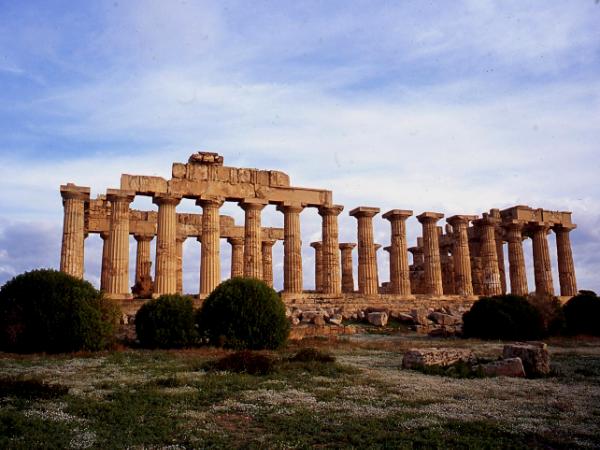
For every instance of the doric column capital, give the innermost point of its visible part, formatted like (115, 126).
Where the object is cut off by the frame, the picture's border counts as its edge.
(166, 199)
(429, 217)
(364, 211)
(104, 235)
(180, 237)
(397, 214)
(388, 249)
(253, 204)
(377, 246)
(487, 220)
(558, 228)
(347, 245)
(460, 219)
(268, 242)
(204, 201)
(143, 237)
(317, 245)
(235, 240)
(286, 207)
(70, 191)
(333, 210)
(119, 195)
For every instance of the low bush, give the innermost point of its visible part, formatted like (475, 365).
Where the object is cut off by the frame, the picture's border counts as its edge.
(551, 312)
(507, 317)
(30, 388)
(243, 313)
(49, 311)
(582, 314)
(244, 361)
(312, 354)
(166, 322)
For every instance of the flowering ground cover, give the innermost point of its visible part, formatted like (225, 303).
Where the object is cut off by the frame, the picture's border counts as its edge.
(156, 399)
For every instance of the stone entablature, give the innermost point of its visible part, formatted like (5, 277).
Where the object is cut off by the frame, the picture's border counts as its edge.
(464, 258)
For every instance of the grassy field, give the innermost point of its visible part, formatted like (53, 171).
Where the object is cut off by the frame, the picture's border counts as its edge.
(165, 399)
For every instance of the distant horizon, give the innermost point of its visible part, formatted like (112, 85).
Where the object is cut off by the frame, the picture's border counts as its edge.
(449, 107)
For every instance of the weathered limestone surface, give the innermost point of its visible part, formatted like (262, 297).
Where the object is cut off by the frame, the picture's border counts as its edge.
(510, 367)
(566, 268)
(318, 246)
(535, 357)
(292, 247)
(118, 247)
(489, 255)
(165, 278)
(252, 238)
(347, 273)
(416, 358)
(237, 256)
(367, 263)
(267, 261)
(210, 257)
(463, 283)
(516, 259)
(542, 268)
(142, 257)
(104, 270)
(399, 270)
(331, 280)
(71, 257)
(432, 268)
(179, 250)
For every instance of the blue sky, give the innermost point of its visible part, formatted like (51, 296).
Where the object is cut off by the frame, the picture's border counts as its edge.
(455, 107)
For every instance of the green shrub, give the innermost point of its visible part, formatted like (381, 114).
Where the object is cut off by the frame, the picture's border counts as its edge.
(507, 317)
(49, 311)
(244, 361)
(243, 313)
(312, 354)
(582, 314)
(551, 312)
(166, 322)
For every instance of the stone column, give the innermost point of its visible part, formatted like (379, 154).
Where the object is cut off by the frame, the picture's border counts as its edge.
(566, 268)
(516, 259)
(399, 271)
(332, 283)
(367, 264)
(165, 272)
(73, 238)
(347, 275)
(500, 252)
(252, 237)
(237, 256)
(541, 259)
(104, 270)
(318, 246)
(142, 256)
(447, 264)
(292, 247)
(118, 247)
(377, 247)
(179, 246)
(463, 283)
(267, 260)
(489, 255)
(431, 251)
(210, 256)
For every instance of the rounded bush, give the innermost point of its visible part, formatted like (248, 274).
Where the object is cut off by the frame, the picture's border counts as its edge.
(49, 311)
(166, 322)
(551, 312)
(582, 313)
(243, 313)
(507, 317)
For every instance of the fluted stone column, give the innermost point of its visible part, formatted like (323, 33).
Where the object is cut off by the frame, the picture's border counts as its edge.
(104, 270)
(516, 259)
(165, 272)
(347, 275)
(566, 268)
(267, 260)
(292, 248)
(179, 246)
(252, 237)
(73, 238)
(377, 247)
(489, 255)
(210, 256)
(463, 283)
(500, 252)
(399, 271)
(318, 246)
(541, 259)
(447, 264)
(118, 247)
(332, 282)
(142, 256)
(367, 264)
(237, 256)
(432, 269)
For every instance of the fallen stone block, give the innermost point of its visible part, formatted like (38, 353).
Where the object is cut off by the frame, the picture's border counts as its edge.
(336, 319)
(378, 319)
(511, 367)
(416, 358)
(444, 319)
(535, 357)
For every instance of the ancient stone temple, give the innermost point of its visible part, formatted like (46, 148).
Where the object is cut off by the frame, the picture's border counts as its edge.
(455, 263)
